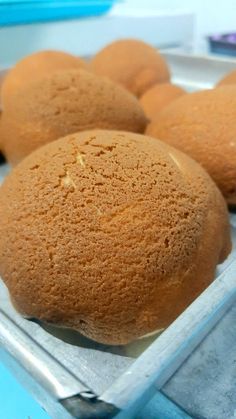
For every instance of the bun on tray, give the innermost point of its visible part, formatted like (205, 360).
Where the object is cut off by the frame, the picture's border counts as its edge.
(158, 97)
(229, 78)
(110, 233)
(63, 103)
(203, 125)
(33, 67)
(132, 63)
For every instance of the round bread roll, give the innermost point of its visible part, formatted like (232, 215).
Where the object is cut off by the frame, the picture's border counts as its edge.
(157, 97)
(230, 78)
(63, 103)
(35, 66)
(203, 125)
(110, 233)
(132, 63)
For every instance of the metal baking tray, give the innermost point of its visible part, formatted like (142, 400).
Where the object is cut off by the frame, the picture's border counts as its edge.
(187, 371)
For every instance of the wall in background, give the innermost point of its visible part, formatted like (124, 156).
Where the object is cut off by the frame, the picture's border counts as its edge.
(160, 22)
(86, 36)
(212, 16)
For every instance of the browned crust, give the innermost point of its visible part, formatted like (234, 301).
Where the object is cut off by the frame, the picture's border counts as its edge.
(63, 103)
(132, 63)
(35, 66)
(110, 233)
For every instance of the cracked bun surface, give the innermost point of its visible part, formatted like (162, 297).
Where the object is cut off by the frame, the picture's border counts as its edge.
(132, 63)
(63, 103)
(35, 66)
(110, 233)
(158, 97)
(203, 125)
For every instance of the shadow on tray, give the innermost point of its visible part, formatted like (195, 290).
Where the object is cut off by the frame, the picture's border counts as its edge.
(133, 349)
(2, 159)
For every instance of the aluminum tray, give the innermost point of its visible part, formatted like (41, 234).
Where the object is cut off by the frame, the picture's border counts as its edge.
(72, 376)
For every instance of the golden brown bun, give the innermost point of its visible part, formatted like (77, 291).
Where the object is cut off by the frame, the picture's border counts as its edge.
(132, 63)
(35, 66)
(110, 233)
(158, 97)
(63, 103)
(2, 78)
(203, 125)
(230, 78)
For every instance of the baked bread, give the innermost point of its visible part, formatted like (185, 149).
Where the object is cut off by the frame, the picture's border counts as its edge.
(132, 63)
(203, 125)
(110, 233)
(158, 97)
(62, 103)
(229, 78)
(35, 66)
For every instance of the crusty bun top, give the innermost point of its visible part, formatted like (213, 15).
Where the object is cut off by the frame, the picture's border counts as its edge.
(63, 103)
(203, 125)
(110, 233)
(158, 97)
(230, 78)
(132, 63)
(35, 66)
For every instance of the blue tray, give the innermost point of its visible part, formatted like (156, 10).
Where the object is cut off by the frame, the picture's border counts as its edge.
(20, 12)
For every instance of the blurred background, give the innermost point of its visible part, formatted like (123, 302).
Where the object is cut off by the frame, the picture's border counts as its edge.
(82, 27)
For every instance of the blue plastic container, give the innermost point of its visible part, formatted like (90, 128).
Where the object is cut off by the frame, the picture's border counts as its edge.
(16, 403)
(15, 12)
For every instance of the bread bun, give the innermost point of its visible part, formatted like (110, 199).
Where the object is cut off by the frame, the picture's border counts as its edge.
(158, 97)
(111, 233)
(203, 125)
(35, 66)
(229, 78)
(132, 63)
(62, 103)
